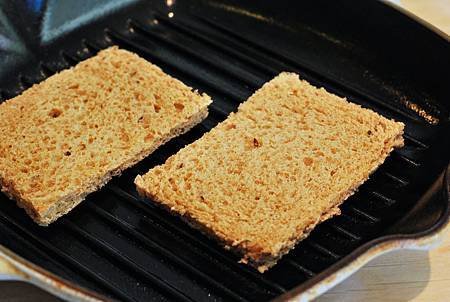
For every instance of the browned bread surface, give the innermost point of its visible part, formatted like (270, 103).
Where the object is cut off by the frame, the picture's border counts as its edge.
(261, 180)
(67, 136)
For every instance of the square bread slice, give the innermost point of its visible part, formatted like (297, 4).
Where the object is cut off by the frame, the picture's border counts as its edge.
(262, 179)
(67, 136)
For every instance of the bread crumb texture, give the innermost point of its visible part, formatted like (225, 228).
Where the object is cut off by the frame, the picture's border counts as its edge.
(261, 180)
(65, 137)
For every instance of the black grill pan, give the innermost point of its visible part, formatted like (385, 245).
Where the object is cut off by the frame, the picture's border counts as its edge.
(118, 246)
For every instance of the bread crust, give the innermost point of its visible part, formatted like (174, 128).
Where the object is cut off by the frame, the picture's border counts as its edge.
(69, 135)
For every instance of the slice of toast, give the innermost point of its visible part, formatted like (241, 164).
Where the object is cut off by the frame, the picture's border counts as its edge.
(261, 180)
(67, 136)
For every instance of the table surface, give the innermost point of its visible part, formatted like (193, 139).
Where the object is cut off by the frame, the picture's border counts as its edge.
(414, 276)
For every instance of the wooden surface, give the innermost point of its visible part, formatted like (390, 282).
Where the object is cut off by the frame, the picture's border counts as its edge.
(414, 276)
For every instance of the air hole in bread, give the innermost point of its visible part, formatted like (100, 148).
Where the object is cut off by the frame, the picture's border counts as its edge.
(148, 137)
(178, 106)
(231, 126)
(308, 161)
(55, 112)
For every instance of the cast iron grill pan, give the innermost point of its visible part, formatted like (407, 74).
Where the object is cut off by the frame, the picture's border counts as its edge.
(125, 248)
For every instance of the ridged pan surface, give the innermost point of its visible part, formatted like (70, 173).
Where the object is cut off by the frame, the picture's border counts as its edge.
(126, 248)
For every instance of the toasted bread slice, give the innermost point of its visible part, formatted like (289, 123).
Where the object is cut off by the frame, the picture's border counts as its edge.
(261, 180)
(67, 136)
